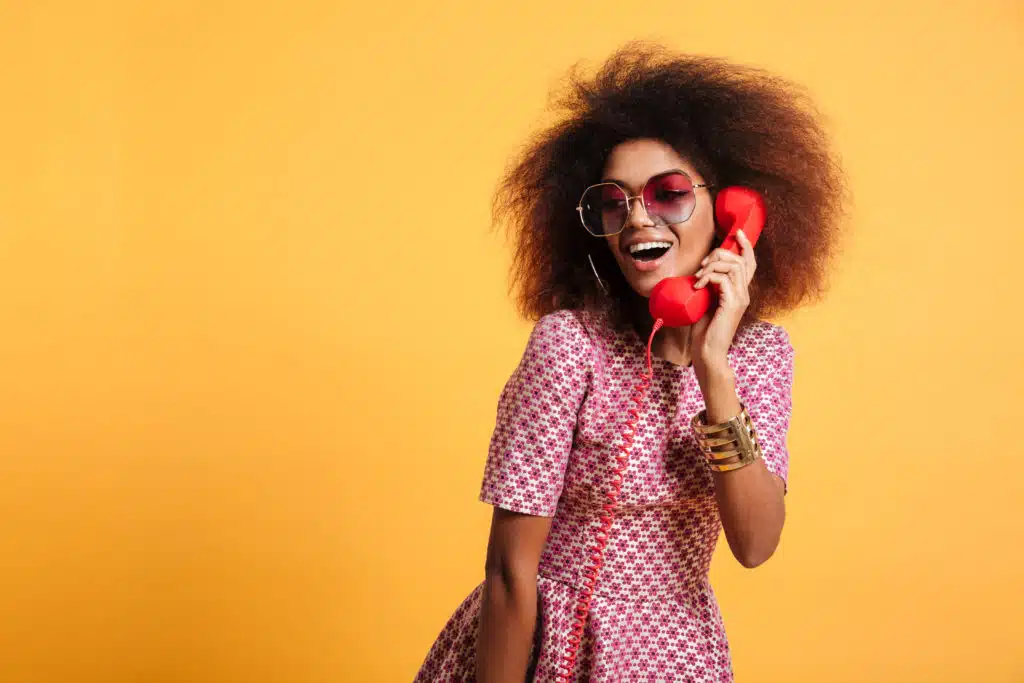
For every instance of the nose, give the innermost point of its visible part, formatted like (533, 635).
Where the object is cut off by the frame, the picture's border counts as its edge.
(637, 217)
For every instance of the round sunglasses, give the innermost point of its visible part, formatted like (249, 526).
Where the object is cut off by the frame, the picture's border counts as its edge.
(668, 198)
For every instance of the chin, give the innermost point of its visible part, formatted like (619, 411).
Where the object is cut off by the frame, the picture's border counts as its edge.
(644, 286)
(643, 283)
(643, 274)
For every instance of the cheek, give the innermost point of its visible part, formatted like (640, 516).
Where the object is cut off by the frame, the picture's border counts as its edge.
(698, 240)
(705, 225)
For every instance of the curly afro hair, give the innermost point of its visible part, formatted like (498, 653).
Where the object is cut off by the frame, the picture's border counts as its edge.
(736, 124)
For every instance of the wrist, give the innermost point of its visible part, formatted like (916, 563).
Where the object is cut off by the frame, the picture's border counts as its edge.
(718, 385)
(713, 369)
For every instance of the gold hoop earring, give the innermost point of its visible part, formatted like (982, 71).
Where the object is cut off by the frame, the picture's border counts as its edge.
(600, 282)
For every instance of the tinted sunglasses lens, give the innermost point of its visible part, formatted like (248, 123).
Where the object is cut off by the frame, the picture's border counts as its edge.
(604, 209)
(669, 198)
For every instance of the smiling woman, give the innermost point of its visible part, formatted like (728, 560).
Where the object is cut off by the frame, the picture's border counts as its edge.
(668, 199)
(610, 201)
(668, 232)
(721, 123)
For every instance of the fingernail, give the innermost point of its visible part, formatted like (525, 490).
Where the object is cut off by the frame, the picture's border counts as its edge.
(699, 273)
(705, 261)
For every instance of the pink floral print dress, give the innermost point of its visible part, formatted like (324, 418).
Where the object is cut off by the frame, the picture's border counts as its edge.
(654, 616)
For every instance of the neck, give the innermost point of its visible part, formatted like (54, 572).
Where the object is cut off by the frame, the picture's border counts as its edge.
(674, 345)
(671, 343)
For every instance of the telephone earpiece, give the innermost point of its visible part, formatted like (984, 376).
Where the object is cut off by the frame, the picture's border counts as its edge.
(674, 300)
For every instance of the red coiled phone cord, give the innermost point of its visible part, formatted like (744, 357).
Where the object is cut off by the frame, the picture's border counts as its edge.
(591, 571)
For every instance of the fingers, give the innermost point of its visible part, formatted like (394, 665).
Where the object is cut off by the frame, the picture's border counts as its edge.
(730, 264)
(747, 252)
(745, 257)
(733, 270)
(722, 255)
(732, 288)
(726, 287)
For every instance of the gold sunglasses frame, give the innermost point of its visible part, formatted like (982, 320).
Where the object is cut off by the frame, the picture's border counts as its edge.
(640, 196)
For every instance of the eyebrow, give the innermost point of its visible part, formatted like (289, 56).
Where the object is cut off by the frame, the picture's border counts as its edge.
(626, 185)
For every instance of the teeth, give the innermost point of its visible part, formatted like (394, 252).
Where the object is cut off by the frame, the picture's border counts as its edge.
(634, 248)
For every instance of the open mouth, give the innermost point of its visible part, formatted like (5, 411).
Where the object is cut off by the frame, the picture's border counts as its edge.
(649, 251)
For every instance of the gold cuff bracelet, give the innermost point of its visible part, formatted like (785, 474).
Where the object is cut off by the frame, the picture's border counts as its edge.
(728, 445)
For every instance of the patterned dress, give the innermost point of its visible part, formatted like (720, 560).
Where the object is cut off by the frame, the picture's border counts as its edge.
(654, 616)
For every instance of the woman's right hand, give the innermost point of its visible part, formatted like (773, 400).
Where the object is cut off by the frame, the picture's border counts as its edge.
(508, 611)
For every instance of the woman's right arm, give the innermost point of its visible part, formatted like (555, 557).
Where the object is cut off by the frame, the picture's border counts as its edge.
(508, 615)
(523, 480)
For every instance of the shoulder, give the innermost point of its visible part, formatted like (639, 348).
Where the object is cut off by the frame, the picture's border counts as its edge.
(558, 356)
(563, 330)
(763, 341)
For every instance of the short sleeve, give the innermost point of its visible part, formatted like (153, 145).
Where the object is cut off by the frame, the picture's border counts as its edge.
(536, 418)
(766, 388)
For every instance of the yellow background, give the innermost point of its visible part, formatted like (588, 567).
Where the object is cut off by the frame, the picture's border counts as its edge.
(254, 326)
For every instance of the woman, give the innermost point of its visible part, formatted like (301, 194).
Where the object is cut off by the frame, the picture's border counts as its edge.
(614, 197)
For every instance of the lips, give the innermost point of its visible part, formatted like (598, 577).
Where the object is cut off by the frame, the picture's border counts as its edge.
(647, 259)
(646, 252)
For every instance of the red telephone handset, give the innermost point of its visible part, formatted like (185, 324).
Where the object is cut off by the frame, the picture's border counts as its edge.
(674, 300)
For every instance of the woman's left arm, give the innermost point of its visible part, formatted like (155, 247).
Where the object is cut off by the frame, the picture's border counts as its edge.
(751, 499)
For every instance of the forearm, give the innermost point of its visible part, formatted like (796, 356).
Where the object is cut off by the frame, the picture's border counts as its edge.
(750, 499)
(508, 616)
